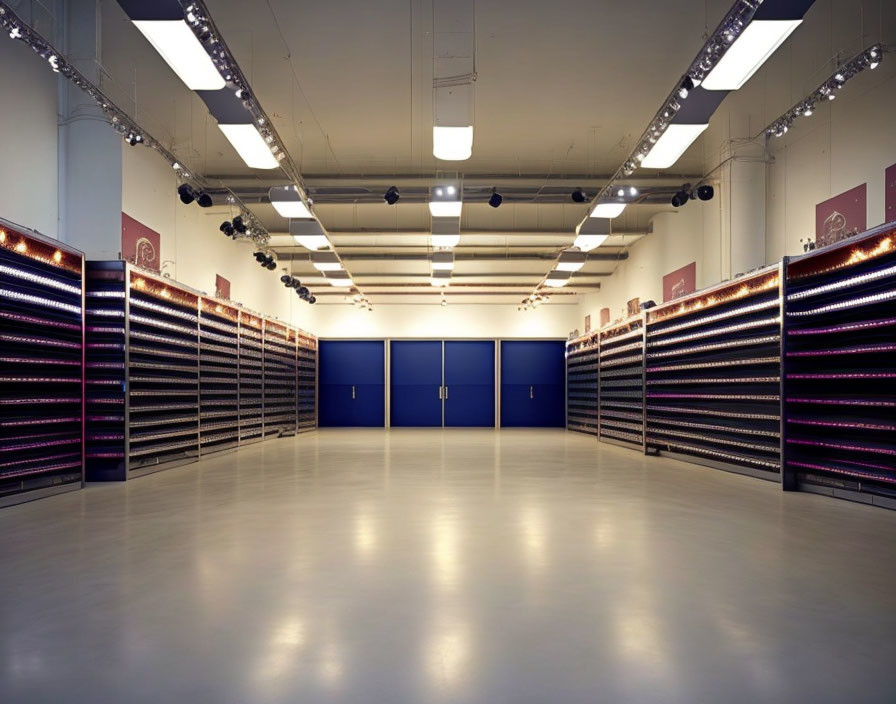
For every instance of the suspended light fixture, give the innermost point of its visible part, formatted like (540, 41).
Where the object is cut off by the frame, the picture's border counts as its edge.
(750, 50)
(571, 260)
(326, 261)
(495, 199)
(591, 233)
(237, 124)
(607, 210)
(557, 278)
(671, 145)
(163, 24)
(338, 278)
(442, 261)
(452, 143)
(391, 195)
(440, 278)
(445, 232)
(445, 201)
(288, 202)
(309, 233)
(578, 196)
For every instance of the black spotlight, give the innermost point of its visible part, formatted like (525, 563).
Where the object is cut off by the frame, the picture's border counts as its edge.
(312, 300)
(391, 195)
(186, 193)
(239, 225)
(260, 257)
(680, 198)
(705, 192)
(295, 283)
(578, 196)
(285, 279)
(271, 265)
(204, 200)
(687, 85)
(496, 198)
(227, 228)
(303, 291)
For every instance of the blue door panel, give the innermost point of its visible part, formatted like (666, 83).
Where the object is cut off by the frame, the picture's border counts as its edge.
(532, 384)
(352, 383)
(415, 369)
(470, 383)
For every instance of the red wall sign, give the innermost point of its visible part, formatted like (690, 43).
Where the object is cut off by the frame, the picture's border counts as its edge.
(222, 287)
(680, 282)
(841, 216)
(140, 245)
(604, 316)
(890, 194)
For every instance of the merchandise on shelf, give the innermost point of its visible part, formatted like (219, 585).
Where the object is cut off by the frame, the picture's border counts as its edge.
(712, 377)
(581, 384)
(840, 376)
(306, 375)
(621, 382)
(279, 380)
(42, 373)
(251, 378)
(219, 398)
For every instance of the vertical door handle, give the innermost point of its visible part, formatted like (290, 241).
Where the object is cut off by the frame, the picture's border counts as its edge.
(531, 392)
(446, 393)
(440, 393)
(353, 392)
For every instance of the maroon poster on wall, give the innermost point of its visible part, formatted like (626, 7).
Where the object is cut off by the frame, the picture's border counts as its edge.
(890, 194)
(632, 307)
(587, 324)
(139, 244)
(841, 216)
(222, 287)
(680, 282)
(604, 316)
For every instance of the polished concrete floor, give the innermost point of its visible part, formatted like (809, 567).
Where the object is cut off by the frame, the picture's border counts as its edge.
(446, 566)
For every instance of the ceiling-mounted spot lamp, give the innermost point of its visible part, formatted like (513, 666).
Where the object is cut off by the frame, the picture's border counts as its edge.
(288, 202)
(770, 26)
(204, 200)
(186, 193)
(391, 195)
(445, 200)
(571, 259)
(227, 228)
(326, 261)
(440, 278)
(239, 127)
(578, 196)
(681, 197)
(442, 261)
(705, 192)
(591, 233)
(495, 199)
(689, 122)
(163, 23)
(557, 278)
(310, 234)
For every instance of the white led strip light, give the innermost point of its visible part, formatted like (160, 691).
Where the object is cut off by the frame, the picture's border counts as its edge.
(845, 305)
(844, 283)
(42, 280)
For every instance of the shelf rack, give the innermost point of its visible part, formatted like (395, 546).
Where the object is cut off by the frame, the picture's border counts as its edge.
(42, 373)
(251, 337)
(581, 384)
(279, 380)
(219, 390)
(306, 381)
(840, 376)
(142, 372)
(621, 383)
(712, 376)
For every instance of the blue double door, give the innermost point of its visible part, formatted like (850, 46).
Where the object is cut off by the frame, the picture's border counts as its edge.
(436, 383)
(352, 383)
(533, 384)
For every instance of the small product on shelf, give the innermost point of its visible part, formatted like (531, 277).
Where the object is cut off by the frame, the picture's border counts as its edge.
(279, 380)
(621, 383)
(712, 378)
(840, 375)
(219, 398)
(251, 378)
(306, 381)
(42, 372)
(581, 384)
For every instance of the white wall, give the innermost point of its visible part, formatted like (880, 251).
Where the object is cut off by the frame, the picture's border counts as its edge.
(28, 178)
(450, 321)
(193, 249)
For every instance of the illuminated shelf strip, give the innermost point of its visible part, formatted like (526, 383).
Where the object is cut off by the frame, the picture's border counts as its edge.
(766, 322)
(745, 310)
(863, 349)
(677, 422)
(154, 352)
(136, 364)
(174, 341)
(652, 433)
(844, 446)
(844, 327)
(38, 301)
(717, 397)
(727, 456)
(625, 361)
(161, 324)
(105, 313)
(164, 310)
(606, 353)
(720, 380)
(106, 294)
(848, 425)
(846, 305)
(42, 470)
(619, 435)
(844, 283)
(40, 360)
(752, 361)
(726, 413)
(148, 423)
(150, 437)
(747, 342)
(608, 339)
(23, 275)
(39, 341)
(159, 407)
(846, 470)
(844, 375)
(43, 458)
(159, 449)
(26, 422)
(33, 320)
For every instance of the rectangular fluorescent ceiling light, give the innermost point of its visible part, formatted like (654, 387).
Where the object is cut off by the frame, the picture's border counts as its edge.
(287, 201)
(443, 261)
(750, 50)
(571, 260)
(250, 145)
(452, 143)
(326, 261)
(588, 242)
(607, 210)
(446, 241)
(440, 278)
(182, 51)
(556, 279)
(671, 145)
(445, 208)
(339, 278)
(312, 242)
(309, 234)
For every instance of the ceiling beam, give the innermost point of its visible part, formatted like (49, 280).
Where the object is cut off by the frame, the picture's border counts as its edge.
(458, 257)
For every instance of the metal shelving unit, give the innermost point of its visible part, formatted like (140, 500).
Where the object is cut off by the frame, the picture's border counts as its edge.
(581, 384)
(712, 376)
(42, 356)
(251, 378)
(279, 380)
(621, 383)
(219, 397)
(306, 381)
(839, 372)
